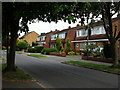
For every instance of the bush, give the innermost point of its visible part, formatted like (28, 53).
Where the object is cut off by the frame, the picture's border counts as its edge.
(71, 53)
(38, 49)
(48, 50)
(22, 45)
(59, 44)
(35, 49)
(31, 50)
(68, 48)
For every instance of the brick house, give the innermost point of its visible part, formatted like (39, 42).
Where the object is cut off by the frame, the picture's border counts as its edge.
(78, 37)
(45, 39)
(63, 35)
(98, 37)
(30, 37)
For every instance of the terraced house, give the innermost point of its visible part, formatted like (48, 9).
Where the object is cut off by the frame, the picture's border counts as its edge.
(79, 37)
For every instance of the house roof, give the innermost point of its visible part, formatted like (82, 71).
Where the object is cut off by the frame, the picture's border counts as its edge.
(27, 34)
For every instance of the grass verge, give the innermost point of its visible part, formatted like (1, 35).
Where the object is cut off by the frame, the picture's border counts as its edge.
(73, 56)
(38, 56)
(2, 59)
(18, 75)
(95, 66)
(19, 52)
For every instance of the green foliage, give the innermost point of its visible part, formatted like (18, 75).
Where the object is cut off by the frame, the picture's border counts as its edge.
(35, 49)
(71, 53)
(68, 48)
(59, 45)
(22, 45)
(34, 43)
(38, 56)
(38, 49)
(48, 50)
(31, 50)
(107, 51)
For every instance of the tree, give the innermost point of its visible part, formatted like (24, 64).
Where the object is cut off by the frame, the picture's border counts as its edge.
(16, 16)
(68, 44)
(107, 10)
(59, 44)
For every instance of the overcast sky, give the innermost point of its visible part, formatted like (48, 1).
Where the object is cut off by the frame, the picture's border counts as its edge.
(41, 27)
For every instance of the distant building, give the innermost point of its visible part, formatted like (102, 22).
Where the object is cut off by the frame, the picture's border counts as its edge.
(30, 37)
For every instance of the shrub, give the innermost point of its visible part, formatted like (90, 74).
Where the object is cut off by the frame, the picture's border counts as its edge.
(35, 49)
(71, 53)
(48, 50)
(59, 44)
(77, 53)
(68, 48)
(38, 49)
(31, 49)
(22, 45)
(34, 43)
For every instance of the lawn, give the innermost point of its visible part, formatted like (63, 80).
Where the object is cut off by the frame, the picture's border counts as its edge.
(38, 56)
(18, 74)
(94, 66)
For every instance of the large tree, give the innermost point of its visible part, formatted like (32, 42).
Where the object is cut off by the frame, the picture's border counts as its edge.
(16, 16)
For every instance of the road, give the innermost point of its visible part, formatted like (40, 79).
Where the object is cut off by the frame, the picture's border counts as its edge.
(51, 73)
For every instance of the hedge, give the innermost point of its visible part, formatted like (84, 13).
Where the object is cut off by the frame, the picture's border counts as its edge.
(35, 49)
(48, 50)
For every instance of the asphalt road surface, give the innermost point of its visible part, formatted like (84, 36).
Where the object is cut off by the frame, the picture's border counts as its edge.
(51, 73)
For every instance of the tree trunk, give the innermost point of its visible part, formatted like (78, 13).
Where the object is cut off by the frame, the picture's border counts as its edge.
(114, 53)
(11, 52)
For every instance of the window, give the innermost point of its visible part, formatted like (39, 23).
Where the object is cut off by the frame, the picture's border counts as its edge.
(81, 32)
(102, 30)
(82, 46)
(43, 38)
(53, 37)
(98, 30)
(62, 35)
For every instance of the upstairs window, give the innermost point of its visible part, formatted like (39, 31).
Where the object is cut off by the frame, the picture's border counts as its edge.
(98, 30)
(81, 32)
(53, 37)
(43, 38)
(62, 35)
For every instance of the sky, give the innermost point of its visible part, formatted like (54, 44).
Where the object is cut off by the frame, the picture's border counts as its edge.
(44, 27)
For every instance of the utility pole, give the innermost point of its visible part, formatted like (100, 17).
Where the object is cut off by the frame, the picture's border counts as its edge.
(88, 37)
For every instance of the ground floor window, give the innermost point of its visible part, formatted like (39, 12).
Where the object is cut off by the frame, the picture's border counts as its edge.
(53, 45)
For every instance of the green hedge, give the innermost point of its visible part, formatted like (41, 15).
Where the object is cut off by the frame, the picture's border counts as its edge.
(35, 49)
(48, 50)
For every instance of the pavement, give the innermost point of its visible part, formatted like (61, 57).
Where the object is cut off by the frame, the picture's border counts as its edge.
(50, 73)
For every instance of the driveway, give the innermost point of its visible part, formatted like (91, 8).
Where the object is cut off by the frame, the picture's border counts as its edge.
(51, 73)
